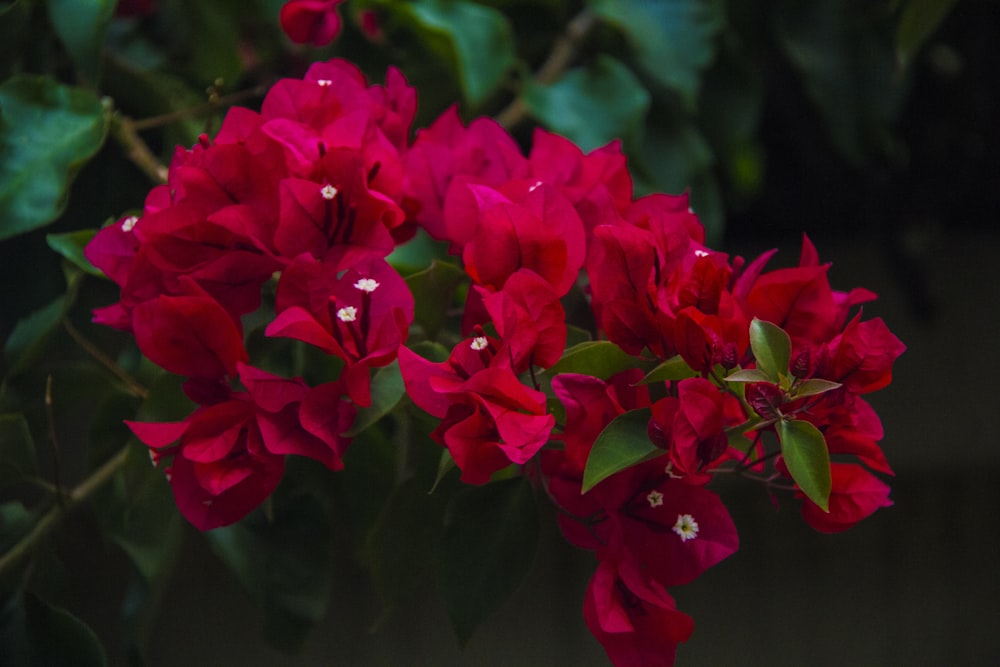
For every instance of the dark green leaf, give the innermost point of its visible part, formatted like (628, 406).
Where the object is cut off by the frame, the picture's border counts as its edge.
(28, 341)
(80, 25)
(918, 22)
(598, 358)
(48, 132)
(490, 539)
(813, 387)
(71, 244)
(56, 638)
(13, 21)
(622, 444)
(674, 368)
(477, 39)
(673, 40)
(445, 465)
(431, 351)
(772, 348)
(433, 294)
(804, 450)
(17, 449)
(387, 389)
(591, 106)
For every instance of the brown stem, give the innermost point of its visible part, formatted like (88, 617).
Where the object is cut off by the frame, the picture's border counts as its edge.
(214, 103)
(133, 386)
(124, 131)
(563, 52)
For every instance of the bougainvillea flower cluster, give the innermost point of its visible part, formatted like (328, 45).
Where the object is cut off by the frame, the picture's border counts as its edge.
(709, 364)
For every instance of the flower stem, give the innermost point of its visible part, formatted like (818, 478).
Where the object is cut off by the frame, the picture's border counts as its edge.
(125, 133)
(24, 549)
(563, 52)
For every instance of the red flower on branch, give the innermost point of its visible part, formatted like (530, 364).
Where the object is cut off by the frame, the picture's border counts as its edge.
(313, 22)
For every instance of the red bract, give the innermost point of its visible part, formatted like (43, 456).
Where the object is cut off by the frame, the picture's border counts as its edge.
(635, 629)
(313, 22)
(861, 357)
(489, 419)
(856, 493)
(230, 455)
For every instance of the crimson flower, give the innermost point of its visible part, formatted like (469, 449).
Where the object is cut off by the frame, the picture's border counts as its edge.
(313, 22)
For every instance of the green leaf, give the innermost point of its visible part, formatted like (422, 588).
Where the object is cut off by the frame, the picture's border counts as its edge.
(17, 449)
(591, 106)
(433, 294)
(772, 348)
(598, 358)
(674, 368)
(431, 351)
(673, 40)
(47, 132)
(387, 389)
(490, 538)
(56, 638)
(71, 244)
(80, 25)
(477, 39)
(813, 387)
(749, 375)
(284, 561)
(804, 450)
(13, 23)
(622, 444)
(28, 340)
(445, 465)
(919, 20)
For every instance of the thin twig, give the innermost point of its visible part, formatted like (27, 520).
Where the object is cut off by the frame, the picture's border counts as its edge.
(563, 52)
(123, 130)
(24, 549)
(133, 386)
(54, 442)
(214, 104)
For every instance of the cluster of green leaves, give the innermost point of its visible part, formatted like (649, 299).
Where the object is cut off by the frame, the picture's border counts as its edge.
(682, 83)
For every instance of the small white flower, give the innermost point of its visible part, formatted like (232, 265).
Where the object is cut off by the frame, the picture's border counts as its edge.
(328, 192)
(347, 314)
(701, 253)
(128, 224)
(655, 498)
(535, 186)
(686, 527)
(479, 343)
(368, 285)
(324, 82)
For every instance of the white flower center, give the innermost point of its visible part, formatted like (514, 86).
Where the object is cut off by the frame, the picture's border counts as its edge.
(686, 527)
(128, 224)
(479, 343)
(328, 192)
(700, 253)
(655, 498)
(535, 186)
(368, 285)
(347, 314)
(324, 82)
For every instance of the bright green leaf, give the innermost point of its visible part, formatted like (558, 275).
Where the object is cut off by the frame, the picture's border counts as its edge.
(47, 132)
(918, 22)
(433, 291)
(490, 538)
(17, 449)
(71, 244)
(813, 387)
(674, 368)
(591, 106)
(598, 358)
(749, 375)
(387, 389)
(479, 40)
(804, 450)
(622, 444)
(772, 348)
(80, 25)
(673, 40)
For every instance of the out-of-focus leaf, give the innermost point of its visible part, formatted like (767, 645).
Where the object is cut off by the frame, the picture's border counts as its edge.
(598, 358)
(673, 40)
(47, 132)
(13, 21)
(30, 336)
(478, 39)
(490, 539)
(17, 449)
(206, 35)
(593, 105)
(80, 25)
(622, 444)
(284, 561)
(433, 294)
(387, 388)
(919, 20)
(71, 244)
(56, 638)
